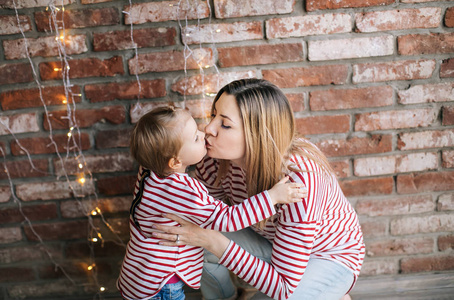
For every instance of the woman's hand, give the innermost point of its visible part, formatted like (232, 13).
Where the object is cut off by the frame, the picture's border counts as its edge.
(285, 192)
(191, 234)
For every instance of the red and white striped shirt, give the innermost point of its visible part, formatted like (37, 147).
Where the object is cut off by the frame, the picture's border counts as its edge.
(147, 266)
(324, 225)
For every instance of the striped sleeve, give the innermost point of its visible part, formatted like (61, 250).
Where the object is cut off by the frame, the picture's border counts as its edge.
(187, 197)
(291, 251)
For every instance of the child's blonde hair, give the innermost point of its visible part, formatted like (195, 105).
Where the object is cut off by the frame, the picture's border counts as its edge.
(156, 138)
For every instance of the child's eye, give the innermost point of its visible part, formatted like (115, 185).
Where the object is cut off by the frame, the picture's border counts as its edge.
(212, 116)
(196, 138)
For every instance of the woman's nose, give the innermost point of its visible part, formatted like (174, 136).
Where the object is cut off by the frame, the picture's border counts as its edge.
(210, 129)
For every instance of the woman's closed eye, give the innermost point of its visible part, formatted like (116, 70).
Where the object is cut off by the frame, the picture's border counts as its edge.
(225, 126)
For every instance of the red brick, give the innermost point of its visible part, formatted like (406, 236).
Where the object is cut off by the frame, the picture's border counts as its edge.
(245, 8)
(94, 1)
(58, 231)
(125, 90)
(350, 48)
(165, 11)
(112, 138)
(312, 5)
(19, 123)
(447, 158)
(447, 113)
(427, 17)
(28, 4)
(222, 33)
(143, 38)
(297, 101)
(433, 43)
(9, 25)
(425, 139)
(449, 17)
(395, 206)
(406, 246)
(373, 228)
(120, 185)
(25, 168)
(53, 190)
(44, 145)
(351, 98)
(78, 209)
(315, 75)
(26, 254)
(445, 202)
(77, 18)
(356, 145)
(199, 109)
(85, 117)
(341, 168)
(323, 124)
(44, 46)
(447, 68)
(395, 119)
(170, 61)
(40, 212)
(50, 95)
(395, 70)
(446, 242)
(411, 162)
(427, 264)
(106, 163)
(308, 25)
(45, 289)
(208, 83)
(15, 274)
(380, 267)
(427, 93)
(82, 68)
(425, 182)
(73, 269)
(259, 55)
(120, 225)
(10, 235)
(5, 194)
(79, 250)
(138, 110)
(367, 187)
(422, 224)
(15, 73)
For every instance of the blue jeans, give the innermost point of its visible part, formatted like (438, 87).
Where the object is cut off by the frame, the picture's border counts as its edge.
(170, 291)
(322, 279)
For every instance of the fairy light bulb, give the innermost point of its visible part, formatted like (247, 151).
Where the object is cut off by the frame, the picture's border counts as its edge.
(94, 240)
(102, 289)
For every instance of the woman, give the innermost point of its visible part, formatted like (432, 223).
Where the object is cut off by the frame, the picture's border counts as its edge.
(308, 250)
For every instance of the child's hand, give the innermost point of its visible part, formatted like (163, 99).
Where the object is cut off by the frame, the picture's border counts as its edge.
(290, 192)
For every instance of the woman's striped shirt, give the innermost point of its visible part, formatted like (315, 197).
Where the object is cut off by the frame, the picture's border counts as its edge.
(147, 266)
(324, 225)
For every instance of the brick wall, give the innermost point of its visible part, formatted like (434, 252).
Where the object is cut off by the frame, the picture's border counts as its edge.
(371, 83)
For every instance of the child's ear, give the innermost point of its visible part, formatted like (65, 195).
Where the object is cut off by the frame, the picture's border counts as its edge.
(174, 163)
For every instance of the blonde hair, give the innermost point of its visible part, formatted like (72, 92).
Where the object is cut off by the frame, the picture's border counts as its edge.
(269, 128)
(156, 139)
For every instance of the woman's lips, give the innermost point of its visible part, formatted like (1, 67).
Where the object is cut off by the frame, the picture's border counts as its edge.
(207, 143)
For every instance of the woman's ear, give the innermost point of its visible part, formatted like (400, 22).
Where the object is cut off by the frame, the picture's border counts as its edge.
(174, 163)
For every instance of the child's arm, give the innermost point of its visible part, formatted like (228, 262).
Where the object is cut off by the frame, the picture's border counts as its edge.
(210, 213)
